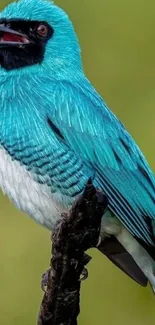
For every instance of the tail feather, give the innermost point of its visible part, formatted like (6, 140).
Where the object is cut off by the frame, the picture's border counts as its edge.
(115, 252)
(141, 256)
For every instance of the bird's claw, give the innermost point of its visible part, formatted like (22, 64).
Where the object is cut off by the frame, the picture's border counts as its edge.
(44, 280)
(84, 275)
(99, 241)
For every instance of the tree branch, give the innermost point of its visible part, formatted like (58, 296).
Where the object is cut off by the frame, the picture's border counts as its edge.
(74, 234)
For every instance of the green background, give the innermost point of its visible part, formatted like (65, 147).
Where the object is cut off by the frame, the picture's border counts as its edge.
(118, 44)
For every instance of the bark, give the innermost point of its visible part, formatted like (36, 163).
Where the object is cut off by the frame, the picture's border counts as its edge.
(74, 234)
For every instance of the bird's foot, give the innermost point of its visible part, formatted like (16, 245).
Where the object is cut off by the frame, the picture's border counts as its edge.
(99, 241)
(84, 275)
(44, 280)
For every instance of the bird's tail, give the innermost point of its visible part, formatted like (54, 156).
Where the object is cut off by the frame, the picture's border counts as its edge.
(153, 289)
(117, 254)
(125, 251)
(142, 258)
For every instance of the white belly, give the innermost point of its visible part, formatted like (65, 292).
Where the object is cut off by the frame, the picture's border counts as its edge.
(29, 196)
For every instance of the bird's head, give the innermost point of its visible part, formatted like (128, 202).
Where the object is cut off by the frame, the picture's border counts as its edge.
(36, 34)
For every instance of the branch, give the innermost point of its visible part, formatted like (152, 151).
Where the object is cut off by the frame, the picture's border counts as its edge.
(74, 234)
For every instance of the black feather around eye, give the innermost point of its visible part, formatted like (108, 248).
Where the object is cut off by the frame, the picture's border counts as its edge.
(24, 54)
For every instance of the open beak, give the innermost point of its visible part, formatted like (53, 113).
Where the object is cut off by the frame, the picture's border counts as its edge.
(11, 38)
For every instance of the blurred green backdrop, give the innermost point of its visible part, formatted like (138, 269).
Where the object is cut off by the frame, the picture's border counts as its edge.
(118, 44)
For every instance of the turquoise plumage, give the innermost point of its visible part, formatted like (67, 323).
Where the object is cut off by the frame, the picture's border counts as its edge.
(61, 132)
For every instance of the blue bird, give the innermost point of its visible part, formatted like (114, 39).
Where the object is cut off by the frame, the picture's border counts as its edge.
(56, 132)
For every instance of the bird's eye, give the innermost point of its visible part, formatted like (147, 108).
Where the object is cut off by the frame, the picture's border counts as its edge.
(42, 30)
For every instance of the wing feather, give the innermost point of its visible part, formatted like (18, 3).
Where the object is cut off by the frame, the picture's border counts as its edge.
(94, 133)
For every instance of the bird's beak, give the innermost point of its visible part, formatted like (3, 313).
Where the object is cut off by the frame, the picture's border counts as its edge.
(12, 38)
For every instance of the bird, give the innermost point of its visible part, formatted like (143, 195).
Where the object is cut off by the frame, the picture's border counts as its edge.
(57, 132)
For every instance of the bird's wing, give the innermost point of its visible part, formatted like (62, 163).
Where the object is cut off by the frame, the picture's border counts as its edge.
(93, 132)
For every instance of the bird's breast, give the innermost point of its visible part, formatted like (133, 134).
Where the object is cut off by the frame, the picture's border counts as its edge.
(30, 196)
